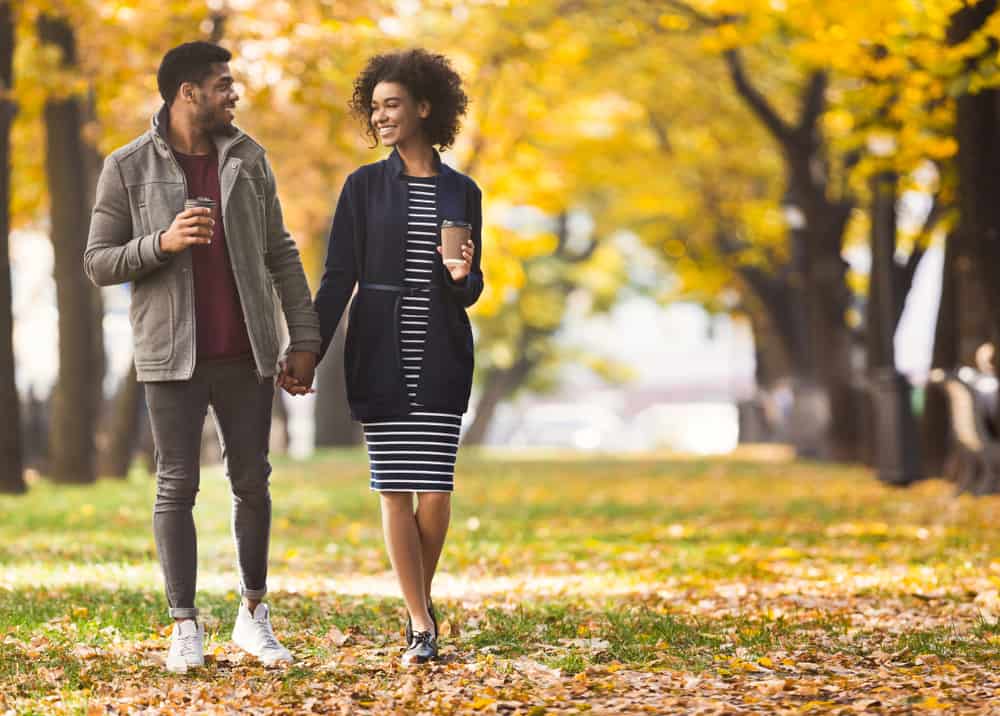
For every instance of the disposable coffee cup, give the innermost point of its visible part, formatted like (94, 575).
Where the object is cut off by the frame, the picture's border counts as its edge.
(202, 202)
(454, 235)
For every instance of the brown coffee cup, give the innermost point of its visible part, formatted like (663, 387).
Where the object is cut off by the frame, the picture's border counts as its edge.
(454, 235)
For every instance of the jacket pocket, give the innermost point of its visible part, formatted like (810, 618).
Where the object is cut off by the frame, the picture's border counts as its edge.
(153, 313)
(144, 221)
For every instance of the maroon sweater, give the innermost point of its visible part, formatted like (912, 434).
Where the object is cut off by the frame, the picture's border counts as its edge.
(221, 330)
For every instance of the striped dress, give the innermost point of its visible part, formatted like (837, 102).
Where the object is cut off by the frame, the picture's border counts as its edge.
(415, 452)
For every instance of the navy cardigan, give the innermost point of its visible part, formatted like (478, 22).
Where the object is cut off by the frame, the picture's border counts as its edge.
(367, 248)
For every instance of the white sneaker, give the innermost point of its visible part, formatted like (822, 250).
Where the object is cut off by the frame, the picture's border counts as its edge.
(186, 646)
(253, 634)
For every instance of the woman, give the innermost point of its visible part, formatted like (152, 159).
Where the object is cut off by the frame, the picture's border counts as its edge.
(408, 356)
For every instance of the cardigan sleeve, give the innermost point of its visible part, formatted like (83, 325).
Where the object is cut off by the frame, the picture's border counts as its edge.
(340, 272)
(467, 290)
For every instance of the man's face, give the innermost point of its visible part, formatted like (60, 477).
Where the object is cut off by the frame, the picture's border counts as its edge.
(214, 100)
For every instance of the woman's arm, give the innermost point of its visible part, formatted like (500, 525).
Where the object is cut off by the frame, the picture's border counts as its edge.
(340, 273)
(467, 290)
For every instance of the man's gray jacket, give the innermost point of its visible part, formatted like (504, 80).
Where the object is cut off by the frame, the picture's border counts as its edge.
(140, 191)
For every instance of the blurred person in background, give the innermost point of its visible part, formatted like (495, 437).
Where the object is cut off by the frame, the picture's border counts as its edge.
(985, 384)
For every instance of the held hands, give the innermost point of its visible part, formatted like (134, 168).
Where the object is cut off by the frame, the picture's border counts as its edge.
(192, 227)
(460, 271)
(297, 372)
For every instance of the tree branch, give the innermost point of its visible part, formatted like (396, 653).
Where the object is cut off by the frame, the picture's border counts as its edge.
(698, 16)
(757, 102)
(660, 130)
(813, 100)
(562, 233)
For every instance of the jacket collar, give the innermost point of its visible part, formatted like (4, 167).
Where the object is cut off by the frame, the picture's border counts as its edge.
(161, 121)
(397, 167)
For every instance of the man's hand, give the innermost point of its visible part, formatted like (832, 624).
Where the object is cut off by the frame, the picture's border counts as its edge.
(192, 227)
(460, 271)
(297, 372)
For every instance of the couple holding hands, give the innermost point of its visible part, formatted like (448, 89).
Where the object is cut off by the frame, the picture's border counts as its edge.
(189, 214)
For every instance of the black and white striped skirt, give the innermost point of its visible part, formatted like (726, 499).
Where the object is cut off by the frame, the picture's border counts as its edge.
(414, 452)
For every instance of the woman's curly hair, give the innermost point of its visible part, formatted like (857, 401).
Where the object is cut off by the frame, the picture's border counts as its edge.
(427, 76)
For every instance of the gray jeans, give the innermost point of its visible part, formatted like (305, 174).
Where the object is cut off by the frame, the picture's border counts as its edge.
(241, 403)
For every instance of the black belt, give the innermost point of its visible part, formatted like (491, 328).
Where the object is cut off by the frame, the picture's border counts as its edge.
(402, 290)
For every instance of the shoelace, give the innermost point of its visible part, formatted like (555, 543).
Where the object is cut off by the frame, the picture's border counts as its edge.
(267, 634)
(189, 645)
(421, 637)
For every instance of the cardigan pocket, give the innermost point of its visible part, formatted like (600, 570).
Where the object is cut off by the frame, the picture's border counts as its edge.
(352, 361)
(372, 350)
(447, 368)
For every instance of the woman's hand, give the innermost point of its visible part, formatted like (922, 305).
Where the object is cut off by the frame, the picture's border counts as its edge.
(297, 372)
(460, 271)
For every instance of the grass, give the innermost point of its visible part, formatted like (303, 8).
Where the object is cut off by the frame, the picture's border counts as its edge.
(702, 567)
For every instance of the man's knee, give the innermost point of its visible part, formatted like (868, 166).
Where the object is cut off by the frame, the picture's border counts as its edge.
(176, 489)
(249, 481)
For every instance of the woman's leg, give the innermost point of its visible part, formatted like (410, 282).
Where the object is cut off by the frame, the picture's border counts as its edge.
(433, 515)
(402, 541)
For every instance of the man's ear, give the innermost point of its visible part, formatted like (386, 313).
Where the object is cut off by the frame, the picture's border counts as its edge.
(186, 91)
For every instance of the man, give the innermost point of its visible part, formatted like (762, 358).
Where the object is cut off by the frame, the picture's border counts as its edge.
(203, 319)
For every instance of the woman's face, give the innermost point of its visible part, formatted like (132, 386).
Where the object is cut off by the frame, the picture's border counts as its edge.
(396, 116)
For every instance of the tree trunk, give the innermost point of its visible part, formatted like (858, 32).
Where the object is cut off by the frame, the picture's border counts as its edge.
(122, 438)
(778, 327)
(826, 299)
(334, 426)
(761, 419)
(11, 456)
(35, 421)
(978, 166)
(81, 348)
(935, 427)
(499, 385)
(897, 447)
(825, 373)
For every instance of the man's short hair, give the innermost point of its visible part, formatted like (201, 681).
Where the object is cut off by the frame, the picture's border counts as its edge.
(190, 62)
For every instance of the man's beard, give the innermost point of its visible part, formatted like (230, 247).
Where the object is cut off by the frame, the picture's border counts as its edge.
(214, 123)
